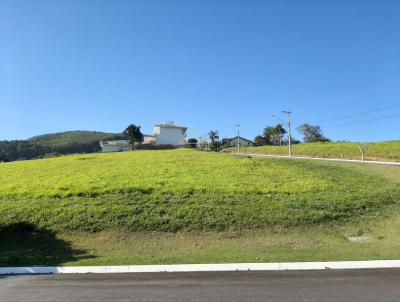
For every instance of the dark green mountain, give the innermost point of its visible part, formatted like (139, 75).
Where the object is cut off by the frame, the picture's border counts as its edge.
(55, 144)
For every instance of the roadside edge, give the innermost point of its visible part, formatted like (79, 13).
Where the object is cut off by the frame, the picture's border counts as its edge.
(284, 266)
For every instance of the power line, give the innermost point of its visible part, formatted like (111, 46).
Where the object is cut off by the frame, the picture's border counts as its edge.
(363, 122)
(345, 117)
(358, 114)
(353, 123)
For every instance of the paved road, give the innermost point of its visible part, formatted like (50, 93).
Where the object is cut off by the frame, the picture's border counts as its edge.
(374, 162)
(362, 285)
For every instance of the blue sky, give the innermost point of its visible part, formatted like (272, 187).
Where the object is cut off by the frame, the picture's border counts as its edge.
(101, 65)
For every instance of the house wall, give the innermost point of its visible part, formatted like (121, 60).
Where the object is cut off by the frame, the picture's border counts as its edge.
(114, 148)
(169, 136)
(242, 143)
(149, 140)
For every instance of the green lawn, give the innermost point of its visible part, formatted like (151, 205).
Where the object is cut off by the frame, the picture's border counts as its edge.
(184, 206)
(389, 151)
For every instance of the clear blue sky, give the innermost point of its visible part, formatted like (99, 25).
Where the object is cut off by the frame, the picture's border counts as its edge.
(101, 65)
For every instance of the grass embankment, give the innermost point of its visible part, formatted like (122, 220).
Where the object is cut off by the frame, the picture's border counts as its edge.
(185, 206)
(384, 151)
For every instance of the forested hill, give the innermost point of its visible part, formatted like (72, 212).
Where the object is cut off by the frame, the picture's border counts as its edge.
(56, 143)
(75, 137)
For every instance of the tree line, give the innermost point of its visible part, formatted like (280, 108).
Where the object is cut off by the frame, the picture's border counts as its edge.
(276, 135)
(272, 136)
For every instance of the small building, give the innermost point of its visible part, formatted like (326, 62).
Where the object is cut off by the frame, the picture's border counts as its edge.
(233, 142)
(123, 145)
(170, 134)
(115, 146)
(149, 139)
(163, 134)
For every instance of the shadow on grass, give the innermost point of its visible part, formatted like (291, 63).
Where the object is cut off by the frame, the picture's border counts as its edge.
(22, 244)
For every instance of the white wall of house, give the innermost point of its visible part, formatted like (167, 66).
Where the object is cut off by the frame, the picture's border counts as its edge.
(149, 140)
(169, 135)
(114, 147)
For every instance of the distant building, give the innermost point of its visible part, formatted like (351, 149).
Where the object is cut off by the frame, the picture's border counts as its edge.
(149, 139)
(170, 134)
(163, 134)
(233, 142)
(115, 146)
(123, 145)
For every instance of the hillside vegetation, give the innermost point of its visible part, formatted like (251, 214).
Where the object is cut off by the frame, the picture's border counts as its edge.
(389, 151)
(185, 190)
(62, 138)
(56, 143)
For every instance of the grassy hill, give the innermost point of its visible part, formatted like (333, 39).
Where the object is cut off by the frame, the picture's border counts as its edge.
(389, 151)
(55, 143)
(183, 190)
(185, 206)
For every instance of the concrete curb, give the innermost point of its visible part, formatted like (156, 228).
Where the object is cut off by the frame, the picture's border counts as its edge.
(200, 267)
(375, 162)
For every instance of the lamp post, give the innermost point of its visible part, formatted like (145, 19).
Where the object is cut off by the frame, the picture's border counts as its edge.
(289, 131)
(289, 124)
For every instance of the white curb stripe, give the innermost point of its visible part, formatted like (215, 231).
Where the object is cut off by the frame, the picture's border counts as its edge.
(386, 163)
(201, 267)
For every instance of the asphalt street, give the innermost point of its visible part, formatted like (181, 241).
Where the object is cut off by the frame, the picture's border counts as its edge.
(373, 162)
(357, 285)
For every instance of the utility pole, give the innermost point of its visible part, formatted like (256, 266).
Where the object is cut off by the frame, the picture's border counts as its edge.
(289, 131)
(238, 139)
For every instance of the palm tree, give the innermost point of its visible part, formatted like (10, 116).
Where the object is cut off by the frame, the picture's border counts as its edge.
(214, 137)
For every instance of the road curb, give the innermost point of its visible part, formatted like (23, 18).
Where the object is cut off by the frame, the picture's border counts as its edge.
(284, 266)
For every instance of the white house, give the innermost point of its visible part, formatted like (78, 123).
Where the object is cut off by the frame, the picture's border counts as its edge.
(163, 134)
(170, 134)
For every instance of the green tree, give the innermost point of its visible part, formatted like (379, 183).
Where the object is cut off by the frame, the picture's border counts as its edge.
(214, 138)
(274, 135)
(259, 140)
(3, 156)
(279, 133)
(312, 133)
(134, 135)
(268, 134)
(192, 142)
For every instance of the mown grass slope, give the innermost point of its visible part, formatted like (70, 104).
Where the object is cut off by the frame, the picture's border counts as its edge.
(376, 151)
(184, 190)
